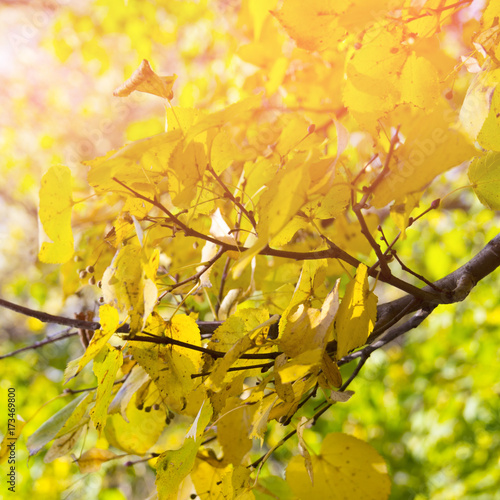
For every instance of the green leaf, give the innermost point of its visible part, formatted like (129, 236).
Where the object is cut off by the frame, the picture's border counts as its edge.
(51, 427)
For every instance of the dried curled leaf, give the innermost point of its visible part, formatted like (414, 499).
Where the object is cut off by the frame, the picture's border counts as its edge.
(144, 79)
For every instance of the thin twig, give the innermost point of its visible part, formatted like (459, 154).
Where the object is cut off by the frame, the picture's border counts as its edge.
(236, 369)
(385, 170)
(363, 170)
(214, 354)
(202, 271)
(334, 252)
(358, 206)
(186, 229)
(88, 389)
(230, 195)
(281, 442)
(49, 318)
(382, 260)
(64, 335)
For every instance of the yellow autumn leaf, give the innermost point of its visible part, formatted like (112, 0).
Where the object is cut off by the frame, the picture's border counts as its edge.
(171, 367)
(144, 79)
(261, 418)
(313, 28)
(184, 328)
(201, 421)
(140, 165)
(217, 483)
(216, 379)
(491, 13)
(283, 390)
(219, 118)
(72, 368)
(489, 135)
(329, 203)
(400, 212)
(187, 164)
(357, 16)
(171, 372)
(431, 147)
(303, 448)
(233, 430)
(182, 119)
(419, 82)
(346, 468)
(288, 232)
(222, 152)
(259, 13)
(276, 209)
(209, 481)
(172, 467)
(106, 365)
(56, 204)
(373, 84)
(128, 283)
(356, 315)
(478, 103)
(295, 136)
(330, 371)
(301, 365)
(303, 325)
(108, 317)
(236, 336)
(277, 74)
(136, 379)
(64, 444)
(92, 459)
(140, 432)
(484, 176)
(347, 233)
(75, 420)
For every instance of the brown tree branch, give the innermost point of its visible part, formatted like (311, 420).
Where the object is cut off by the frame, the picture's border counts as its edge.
(228, 193)
(202, 271)
(49, 318)
(391, 335)
(211, 352)
(334, 252)
(456, 285)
